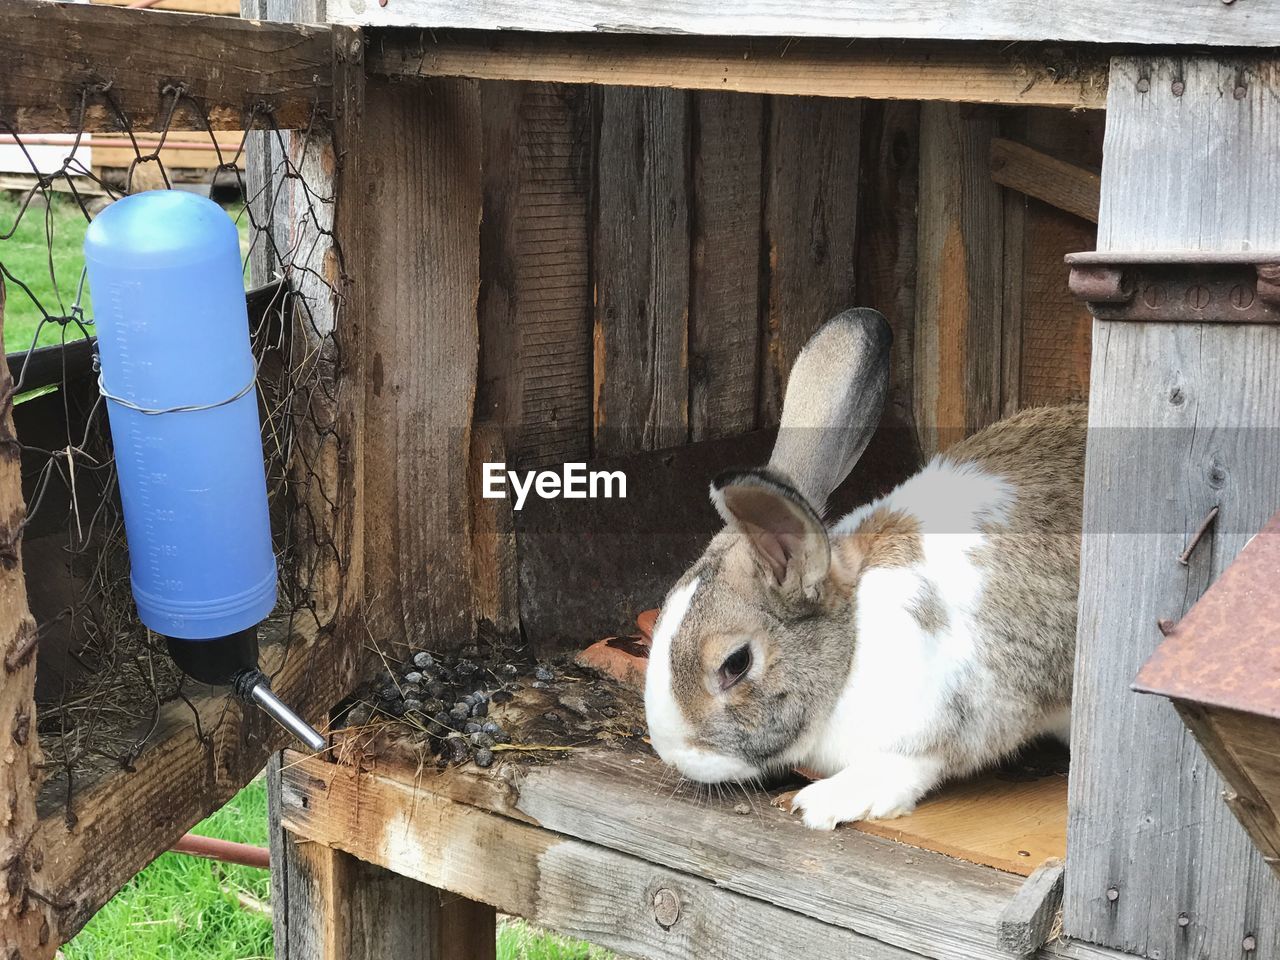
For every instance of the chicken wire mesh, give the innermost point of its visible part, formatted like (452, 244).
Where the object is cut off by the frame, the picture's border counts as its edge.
(103, 679)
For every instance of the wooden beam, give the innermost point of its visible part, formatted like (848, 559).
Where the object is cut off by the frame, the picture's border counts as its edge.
(1060, 184)
(329, 905)
(71, 67)
(1183, 418)
(1145, 21)
(1026, 74)
(581, 889)
(24, 918)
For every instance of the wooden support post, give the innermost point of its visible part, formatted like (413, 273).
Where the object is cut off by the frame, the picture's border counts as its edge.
(24, 912)
(328, 905)
(1183, 417)
(420, 257)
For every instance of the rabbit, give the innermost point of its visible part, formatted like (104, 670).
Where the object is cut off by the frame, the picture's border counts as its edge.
(921, 637)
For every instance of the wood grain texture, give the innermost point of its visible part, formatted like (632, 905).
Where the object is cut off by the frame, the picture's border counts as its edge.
(811, 227)
(1182, 418)
(1027, 922)
(535, 248)
(1010, 825)
(641, 271)
(1245, 749)
(580, 889)
(494, 562)
(724, 296)
(421, 255)
(1066, 186)
(961, 269)
(886, 278)
(1146, 21)
(59, 55)
(913, 899)
(977, 73)
(23, 918)
(329, 905)
(1053, 329)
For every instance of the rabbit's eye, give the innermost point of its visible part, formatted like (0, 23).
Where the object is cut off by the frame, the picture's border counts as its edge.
(735, 667)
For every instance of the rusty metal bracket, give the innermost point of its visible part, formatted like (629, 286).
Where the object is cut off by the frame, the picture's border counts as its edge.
(1183, 286)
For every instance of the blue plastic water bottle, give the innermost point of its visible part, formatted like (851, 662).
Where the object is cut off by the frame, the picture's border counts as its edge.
(173, 335)
(178, 375)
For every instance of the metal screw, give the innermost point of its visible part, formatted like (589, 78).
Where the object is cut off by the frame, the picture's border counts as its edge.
(666, 907)
(1184, 920)
(1178, 87)
(1113, 894)
(1144, 85)
(1240, 91)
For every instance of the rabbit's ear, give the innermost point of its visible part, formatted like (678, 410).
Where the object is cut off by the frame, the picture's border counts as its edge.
(833, 402)
(788, 536)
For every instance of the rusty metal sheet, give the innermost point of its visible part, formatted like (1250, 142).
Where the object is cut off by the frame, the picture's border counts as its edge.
(1171, 287)
(1226, 651)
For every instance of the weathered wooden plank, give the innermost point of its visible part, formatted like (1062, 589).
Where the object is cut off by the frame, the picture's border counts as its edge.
(975, 73)
(23, 918)
(724, 296)
(581, 889)
(1145, 21)
(1183, 417)
(960, 285)
(535, 289)
(420, 252)
(1043, 176)
(886, 278)
(329, 905)
(811, 224)
(495, 570)
(909, 898)
(73, 66)
(195, 763)
(640, 268)
(1027, 922)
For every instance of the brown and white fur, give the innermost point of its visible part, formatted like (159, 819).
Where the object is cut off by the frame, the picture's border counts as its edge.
(921, 637)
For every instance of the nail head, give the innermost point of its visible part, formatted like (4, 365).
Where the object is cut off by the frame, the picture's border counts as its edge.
(1113, 894)
(1240, 91)
(1144, 85)
(1178, 88)
(666, 907)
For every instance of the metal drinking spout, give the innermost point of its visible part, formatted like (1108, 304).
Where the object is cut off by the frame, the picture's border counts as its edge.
(254, 686)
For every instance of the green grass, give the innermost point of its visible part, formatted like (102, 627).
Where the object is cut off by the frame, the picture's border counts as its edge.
(25, 255)
(187, 908)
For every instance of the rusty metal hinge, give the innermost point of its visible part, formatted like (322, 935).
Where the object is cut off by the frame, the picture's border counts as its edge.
(1172, 287)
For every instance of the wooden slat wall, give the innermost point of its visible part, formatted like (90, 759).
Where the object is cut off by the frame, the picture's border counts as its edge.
(811, 222)
(653, 260)
(535, 295)
(724, 335)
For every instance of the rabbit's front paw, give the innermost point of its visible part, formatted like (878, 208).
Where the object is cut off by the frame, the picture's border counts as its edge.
(877, 788)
